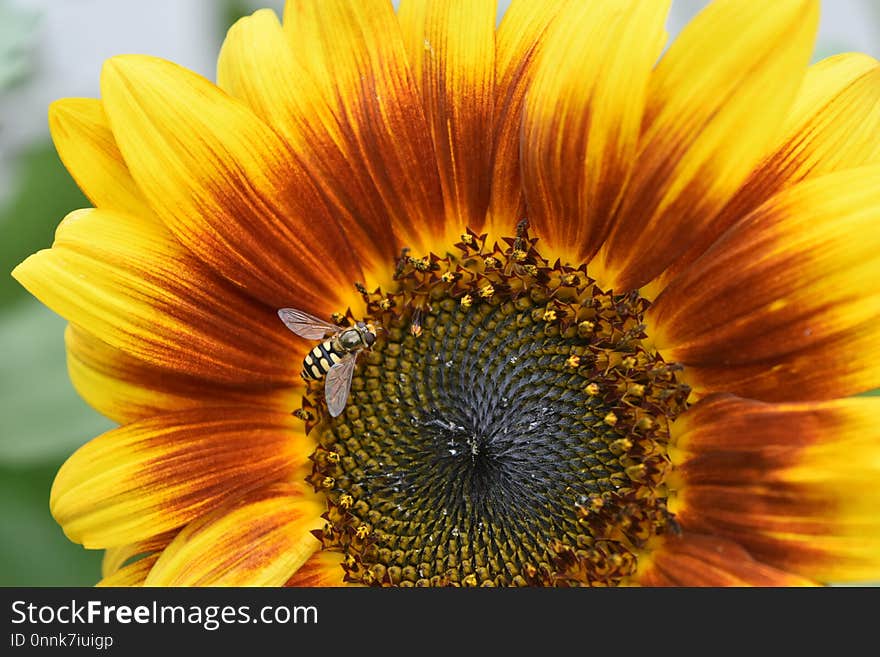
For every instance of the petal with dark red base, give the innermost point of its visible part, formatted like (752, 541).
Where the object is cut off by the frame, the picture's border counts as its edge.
(583, 117)
(785, 305)
(795, 484)
(258, 65)
(703, 560)
(834, 125)
(128, 282)
(701, 132)
(228, 186)
(355, 53)
(451, 49)
(151, 476)
(125, 388)
(322, 569)
(519, 41)
(260, 539)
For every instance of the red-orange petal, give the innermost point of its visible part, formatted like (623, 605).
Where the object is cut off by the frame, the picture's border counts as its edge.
(127, 281)
(354, 52)
(519, 41)
(258, 65)
(583, 117)
(322, 569)
(795, 483)
(153, 475)
(260, 539)
(451, 49)
(784, 306)
(228, 186)
(834, 125)
(694, 559)
(125, 388)
(700, 135)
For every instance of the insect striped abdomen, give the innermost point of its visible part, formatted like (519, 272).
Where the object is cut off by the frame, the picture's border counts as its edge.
(320, 359)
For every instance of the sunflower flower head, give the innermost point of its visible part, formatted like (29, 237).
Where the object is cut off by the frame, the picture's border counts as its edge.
(567, 307)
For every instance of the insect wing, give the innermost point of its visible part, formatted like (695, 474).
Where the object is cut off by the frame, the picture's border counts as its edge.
(305, 325)
(338, 383)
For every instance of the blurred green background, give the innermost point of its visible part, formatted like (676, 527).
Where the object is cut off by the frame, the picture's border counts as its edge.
(41, 418)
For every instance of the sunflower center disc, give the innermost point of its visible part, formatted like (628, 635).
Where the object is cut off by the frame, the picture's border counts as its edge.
(508, 428)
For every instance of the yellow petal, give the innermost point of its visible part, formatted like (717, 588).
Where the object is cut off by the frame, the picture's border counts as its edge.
(834, 125)
(133, 574)
(115, 558)
(257, 65)
(703, 132)
(451, 48)
(88, 149)
(795, 484)
(127, 281)
(228, 186)
(519, 41)
(260, 539)
(354, 52)
(785, 305)
(151, 476)
(583, 119)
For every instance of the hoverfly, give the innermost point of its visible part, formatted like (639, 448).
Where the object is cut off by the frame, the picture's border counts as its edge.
(334, 357)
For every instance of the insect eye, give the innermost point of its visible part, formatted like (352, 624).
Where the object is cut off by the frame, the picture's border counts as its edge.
(369, 338)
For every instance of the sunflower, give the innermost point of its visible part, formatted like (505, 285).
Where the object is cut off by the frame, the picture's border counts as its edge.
(619, 301)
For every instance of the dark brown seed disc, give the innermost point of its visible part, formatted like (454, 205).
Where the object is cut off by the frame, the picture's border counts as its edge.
(508, 428)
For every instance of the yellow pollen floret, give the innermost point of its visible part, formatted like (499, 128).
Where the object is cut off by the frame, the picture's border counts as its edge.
(549, 315)
(328, 482)
(636, 389)
(362, 531)
(610, 419)
(487, 291)
(645, 423)
(345, 501)
(467, 301)
(621, 445)
(593, 389)
(573, 361)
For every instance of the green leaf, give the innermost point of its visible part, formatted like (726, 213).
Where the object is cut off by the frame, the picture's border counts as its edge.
(45, 193)
(42, 419)
(33, 549)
